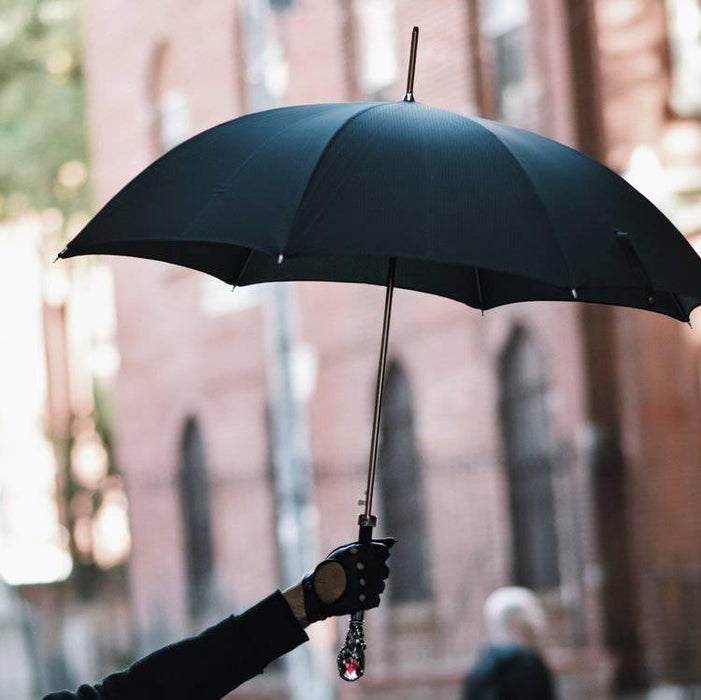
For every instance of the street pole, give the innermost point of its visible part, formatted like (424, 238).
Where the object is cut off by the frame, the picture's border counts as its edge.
(310, 666)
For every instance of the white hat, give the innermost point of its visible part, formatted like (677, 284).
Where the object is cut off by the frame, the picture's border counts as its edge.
(514, 615)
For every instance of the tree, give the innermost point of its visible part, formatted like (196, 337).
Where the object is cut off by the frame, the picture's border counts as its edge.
(42, 131)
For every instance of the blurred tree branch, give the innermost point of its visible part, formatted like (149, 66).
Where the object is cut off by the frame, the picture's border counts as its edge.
(41, 107)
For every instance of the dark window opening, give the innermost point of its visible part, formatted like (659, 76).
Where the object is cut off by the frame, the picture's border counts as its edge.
(400, 489)
(529, 462)
(195, 503)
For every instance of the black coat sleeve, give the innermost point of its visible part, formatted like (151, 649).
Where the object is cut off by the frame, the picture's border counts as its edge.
(208, 666)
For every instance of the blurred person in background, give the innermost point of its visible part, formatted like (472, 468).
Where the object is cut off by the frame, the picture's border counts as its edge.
(511, 667)
(212, 664)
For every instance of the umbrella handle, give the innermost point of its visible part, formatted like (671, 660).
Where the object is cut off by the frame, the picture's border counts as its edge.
(351, 656)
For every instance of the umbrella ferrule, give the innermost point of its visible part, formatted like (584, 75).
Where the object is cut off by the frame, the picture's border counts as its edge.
(409, 95)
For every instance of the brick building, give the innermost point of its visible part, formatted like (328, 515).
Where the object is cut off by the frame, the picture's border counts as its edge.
(553, 445)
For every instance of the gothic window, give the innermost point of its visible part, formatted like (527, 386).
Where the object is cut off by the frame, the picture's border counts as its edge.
(512, 88)
(400, 489)
(195, 504)
(529, 459)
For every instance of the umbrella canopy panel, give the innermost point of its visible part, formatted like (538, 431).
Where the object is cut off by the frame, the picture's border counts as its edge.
(477, 211)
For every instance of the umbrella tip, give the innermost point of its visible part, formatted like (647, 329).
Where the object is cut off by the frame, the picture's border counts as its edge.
(280, 259)
(60, 255)
(409, 95)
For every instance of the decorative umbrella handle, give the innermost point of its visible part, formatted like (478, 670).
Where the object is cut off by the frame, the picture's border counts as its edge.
(351, 657)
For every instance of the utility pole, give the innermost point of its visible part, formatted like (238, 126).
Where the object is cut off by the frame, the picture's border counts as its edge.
(308, 667)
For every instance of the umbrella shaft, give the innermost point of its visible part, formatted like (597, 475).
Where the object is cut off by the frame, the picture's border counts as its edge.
(379, 391)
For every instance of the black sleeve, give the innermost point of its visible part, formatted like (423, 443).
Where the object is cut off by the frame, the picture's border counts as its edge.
(209, 665)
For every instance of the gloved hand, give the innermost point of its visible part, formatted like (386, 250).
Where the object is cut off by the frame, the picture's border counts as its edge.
(351, 578)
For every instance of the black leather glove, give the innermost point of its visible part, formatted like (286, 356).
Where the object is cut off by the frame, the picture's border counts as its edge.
(365, 571)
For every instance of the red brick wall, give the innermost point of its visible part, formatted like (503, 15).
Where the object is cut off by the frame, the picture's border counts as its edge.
(657, 358)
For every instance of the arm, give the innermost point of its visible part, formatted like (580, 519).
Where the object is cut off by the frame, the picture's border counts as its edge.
(208, 665)
(226, 655)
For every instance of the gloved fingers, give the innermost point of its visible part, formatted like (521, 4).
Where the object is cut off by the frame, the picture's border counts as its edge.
(373, 586)
(378, 549)
(365, 558)
(375, 549)
(376, 571)
(372, 601)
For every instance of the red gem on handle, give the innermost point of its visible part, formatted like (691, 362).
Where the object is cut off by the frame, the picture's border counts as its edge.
(352, 668)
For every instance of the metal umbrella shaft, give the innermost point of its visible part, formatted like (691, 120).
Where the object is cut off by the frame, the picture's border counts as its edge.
(367, 520)
(351, 657)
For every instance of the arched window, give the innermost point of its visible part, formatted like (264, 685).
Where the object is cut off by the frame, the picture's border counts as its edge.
(400, 489)
(529, 458)
(194, 499)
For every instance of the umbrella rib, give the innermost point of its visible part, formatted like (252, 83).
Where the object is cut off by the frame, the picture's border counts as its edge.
(323, 153)
(224, 186)
(684, 313)
(242, 269)
(636, 264)
(479, 289)
(524, 172)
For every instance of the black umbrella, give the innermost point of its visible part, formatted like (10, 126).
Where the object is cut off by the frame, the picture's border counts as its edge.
(403, 195)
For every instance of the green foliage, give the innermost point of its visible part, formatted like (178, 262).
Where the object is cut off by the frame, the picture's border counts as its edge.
(41, 107)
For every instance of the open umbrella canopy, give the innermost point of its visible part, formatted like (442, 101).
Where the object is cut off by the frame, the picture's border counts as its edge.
(474, 210)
